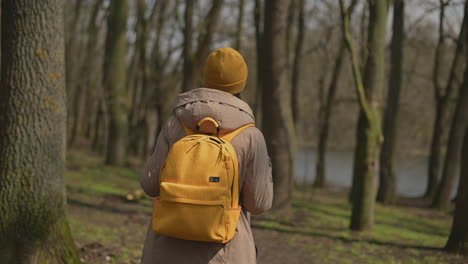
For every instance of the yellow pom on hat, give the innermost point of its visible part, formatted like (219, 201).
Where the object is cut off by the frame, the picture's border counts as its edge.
(226, 70)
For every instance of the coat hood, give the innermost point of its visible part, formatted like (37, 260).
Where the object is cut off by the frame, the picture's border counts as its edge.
(229, 111)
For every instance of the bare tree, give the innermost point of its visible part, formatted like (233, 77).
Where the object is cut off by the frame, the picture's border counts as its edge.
(387, 187)
(442, 96)
(279, 127)
(369, 90)
(452, 159)
(297, 61)
(258, 19)
(85, 83)
(240, 26)
(193, 61)
(325, 110)
(115, 81)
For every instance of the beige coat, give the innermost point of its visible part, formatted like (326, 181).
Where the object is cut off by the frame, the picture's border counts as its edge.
(255, 178)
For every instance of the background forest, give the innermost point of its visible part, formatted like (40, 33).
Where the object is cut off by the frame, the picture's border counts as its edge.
(363, 104)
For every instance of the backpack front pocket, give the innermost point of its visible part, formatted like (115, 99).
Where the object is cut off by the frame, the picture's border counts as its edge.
(199, 215)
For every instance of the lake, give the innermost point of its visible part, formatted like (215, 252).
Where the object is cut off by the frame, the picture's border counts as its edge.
(411, 171)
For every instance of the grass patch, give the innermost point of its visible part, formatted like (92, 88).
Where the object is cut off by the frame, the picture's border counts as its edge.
(313, 230)
(400, 234)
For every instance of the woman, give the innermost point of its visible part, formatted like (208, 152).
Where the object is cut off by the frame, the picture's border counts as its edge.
(225, 77)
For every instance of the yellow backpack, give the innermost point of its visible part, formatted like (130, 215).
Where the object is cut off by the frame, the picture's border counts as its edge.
(199, 187)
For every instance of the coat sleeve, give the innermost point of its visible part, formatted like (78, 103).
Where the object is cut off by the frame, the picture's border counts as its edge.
(257, 190)
(149, 181)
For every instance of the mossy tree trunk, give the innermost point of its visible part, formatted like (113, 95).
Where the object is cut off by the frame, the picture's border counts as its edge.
(115, 76)
(33, 225)
(458, 239)
(277, 121)
(387, 189)
(369, 135)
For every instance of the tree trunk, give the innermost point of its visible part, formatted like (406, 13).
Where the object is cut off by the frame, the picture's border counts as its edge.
(33, 225)
(85, 84)
(435, 153)
(460, 120)
(325, 118)
(369, 125)
(260, 58)
(452, 159)
(289, 32)
(442, 99)
(278, 128)
(240, 26)
(114, 82)
(458, 239)
(188, 82)
(297, 62)
(387, 189)
(71, 58)
(438, 130)
(204, 40)
(139, 87)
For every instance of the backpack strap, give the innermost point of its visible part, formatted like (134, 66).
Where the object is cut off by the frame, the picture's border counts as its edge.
(230, 136)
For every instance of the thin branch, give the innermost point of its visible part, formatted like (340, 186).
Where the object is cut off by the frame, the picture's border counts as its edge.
(362, 98)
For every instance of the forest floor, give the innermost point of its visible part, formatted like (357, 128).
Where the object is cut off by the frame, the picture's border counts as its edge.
(109, 228)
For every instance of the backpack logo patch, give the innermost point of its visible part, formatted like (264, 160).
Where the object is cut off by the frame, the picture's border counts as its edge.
(214, 179)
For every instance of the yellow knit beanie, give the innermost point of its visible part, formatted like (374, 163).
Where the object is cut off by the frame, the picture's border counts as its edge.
(226, 70)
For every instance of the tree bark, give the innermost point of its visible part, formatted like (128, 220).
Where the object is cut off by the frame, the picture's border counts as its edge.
(258, 19)
(435, 152)
(33, 225)
(458, 239)
(452, 159)
(442, 99)
(460, 120)
(114, 82)
(297, 62)
(369, 125)
(240, 26)
(188, 82)
(139, 94)
(71, 51)
(278, 128)
(387, 189)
